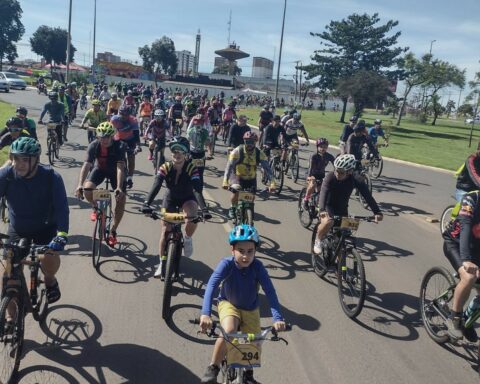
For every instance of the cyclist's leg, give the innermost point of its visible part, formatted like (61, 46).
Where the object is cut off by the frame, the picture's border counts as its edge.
(94, 178)
(310, 187)
(230, 321)
(326, 223)
(190, 207)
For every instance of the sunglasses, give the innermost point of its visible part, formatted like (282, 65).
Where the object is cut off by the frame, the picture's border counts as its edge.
(15, 129)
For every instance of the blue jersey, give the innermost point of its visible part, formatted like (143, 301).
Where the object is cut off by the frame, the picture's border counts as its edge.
(375, 133)
(239, 286)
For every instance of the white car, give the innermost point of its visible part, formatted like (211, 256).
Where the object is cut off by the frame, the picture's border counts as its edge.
(471, 121)
(4, 85)
(14, 80)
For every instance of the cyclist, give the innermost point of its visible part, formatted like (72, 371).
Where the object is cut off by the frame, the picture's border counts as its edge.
(242, 168)
(336, 189)
(357, 140)
(159, 104)
(129, 101)
(238, 278)
(462, 248)
(285, 117)
(228, 116)
(265, 118)
(145, 111)
(94, 116)
(74, 97)
(28, 124)
(56, 111)
(347, 131)
(67, 103)
(292, 126)
(95, 92)
(113, 104)
(175, 112)
(105, 160)
(13, 131)
(147, 93)
(104, 97)
(157, 133)
(182, 178)
(377, 131)
(468, 175)
(237, 131)
(38, 206)
(316, 169)
(128, 131)
(273, 136)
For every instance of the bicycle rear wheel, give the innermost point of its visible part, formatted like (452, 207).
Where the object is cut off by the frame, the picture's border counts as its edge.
(436, 292)
(446, 217)
(376, 168)
(97, 239)
(351, 282)
(277, 175)
(303, 214)
(11, 336)
(318, 259)
(172, 255)
(51, 152)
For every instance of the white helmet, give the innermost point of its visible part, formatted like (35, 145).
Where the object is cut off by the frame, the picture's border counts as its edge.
(346, 162)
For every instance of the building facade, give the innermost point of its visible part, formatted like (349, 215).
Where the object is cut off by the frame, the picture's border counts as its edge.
(262, 68)
(109, 57)
(186, 63)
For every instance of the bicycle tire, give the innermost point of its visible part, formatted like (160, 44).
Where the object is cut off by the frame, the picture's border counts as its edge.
(41, 307)
(376, 168)
(278, 175)
(51, 152)
(158, 161)
(351, 282)
(11, 343)
(296, 169)
(57, 150)
(291, 166)
(169, 277)
(4, 210)
(97, 240)
(438, 300)
(214, 139)
(318, 259)
(303, 215)
(446, 217)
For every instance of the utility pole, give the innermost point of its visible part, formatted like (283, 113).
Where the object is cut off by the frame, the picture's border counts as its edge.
(69, 38)
(94, 35)
(280, 54)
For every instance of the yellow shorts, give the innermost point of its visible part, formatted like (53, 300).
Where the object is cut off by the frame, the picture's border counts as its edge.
(249, 320)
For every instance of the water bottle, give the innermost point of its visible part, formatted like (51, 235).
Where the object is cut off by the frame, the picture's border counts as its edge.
(472, 307)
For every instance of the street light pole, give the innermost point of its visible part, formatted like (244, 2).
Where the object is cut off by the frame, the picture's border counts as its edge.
(69, 38)
(94, 35)
(280, 54)
(431, 44)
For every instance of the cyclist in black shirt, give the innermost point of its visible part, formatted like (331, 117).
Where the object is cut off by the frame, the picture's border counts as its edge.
(357, 140)
(265, 118)
(273, 136)
(237, 130)
(347, 131)
(335, 193)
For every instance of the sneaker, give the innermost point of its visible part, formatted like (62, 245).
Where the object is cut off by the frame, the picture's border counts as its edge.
(150, 157)
(470, 334)
(53, 293)
(231, 213)
(160, 272)
(454, 325)
(93, 215)
(317, 247)
(210, 375)
(129, 182)
(112, 239)
(187, 246)
(248, 377)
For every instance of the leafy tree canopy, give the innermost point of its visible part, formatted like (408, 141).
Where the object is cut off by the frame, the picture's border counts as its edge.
(51, 44)
(11, 29)
(159, 57)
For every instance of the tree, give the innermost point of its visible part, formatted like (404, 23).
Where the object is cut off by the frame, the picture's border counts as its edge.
(465, 110)
(449, 107)
(223, 70)
(160, 57)
(51, 44)
(414, 74)
(354, 44)
(436, 108)
(11, 29)
(365, 87)
(474, 99)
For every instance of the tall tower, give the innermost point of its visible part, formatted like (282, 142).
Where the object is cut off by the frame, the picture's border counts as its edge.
(197, 54)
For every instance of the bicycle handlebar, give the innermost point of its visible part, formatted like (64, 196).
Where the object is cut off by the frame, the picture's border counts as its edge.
(165, 215)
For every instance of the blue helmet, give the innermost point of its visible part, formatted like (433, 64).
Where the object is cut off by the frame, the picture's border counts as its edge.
(243, 232)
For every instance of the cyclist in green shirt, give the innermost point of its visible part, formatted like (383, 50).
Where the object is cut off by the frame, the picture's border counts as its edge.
(94, 116)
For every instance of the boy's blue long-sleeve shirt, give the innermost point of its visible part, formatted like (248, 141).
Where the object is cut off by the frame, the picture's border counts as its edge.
(239, 286)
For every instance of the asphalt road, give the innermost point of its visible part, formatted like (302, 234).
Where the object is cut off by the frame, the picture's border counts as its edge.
(107, 328)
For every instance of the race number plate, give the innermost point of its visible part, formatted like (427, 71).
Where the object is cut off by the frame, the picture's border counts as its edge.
(294, 144)
(51, 125)
(174, 218)
(101, 195)
(199, 163)
(246, 196)
(349, 223)
(243, 355)
(276, 152)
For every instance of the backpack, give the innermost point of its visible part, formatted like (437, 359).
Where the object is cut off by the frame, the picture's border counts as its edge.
(458, 205)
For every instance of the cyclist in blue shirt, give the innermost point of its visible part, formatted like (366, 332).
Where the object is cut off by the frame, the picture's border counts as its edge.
(38, 207)
(377, 131)
(239, 277)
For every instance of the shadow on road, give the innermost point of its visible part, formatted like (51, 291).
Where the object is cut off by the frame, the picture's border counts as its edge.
(394, 209)
(370, 249)
(44, 374)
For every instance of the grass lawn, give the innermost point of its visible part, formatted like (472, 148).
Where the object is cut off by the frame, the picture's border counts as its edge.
(444, 145)
(6, 111)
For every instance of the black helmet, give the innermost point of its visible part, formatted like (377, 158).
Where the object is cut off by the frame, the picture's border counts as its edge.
(180, 143)
(359, 126)
(22, 111)
(353, 119)
(14, 122)
(52, 95)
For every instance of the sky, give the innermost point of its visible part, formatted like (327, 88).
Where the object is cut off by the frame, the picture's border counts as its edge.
(123, 26)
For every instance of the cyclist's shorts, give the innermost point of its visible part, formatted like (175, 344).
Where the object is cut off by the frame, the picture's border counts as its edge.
(290, 138)
(175, 204)
(249, 320)
(131, 144)
(40, 237)
(452, 251)
(97, 176)
(246, 184)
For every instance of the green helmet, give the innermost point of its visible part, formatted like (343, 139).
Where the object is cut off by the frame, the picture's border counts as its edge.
(26, 146)
(105, 129)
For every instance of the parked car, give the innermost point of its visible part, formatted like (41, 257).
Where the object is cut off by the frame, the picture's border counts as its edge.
(14, 80)
(471, 121)
(4, 85)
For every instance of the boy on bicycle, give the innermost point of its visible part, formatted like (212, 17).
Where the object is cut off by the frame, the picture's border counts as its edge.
(238, 301)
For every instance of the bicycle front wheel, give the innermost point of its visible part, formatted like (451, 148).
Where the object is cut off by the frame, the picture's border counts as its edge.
(97, 239)
(303, 214)
(351, 282)
(41, 306)
(11, 336)
(172, 255)
(51, 152)
(446, 217)
(368, 181)
(376, 168)
(278, 175)
(318, 259)
(295, 168)
(436, 293)
(248, 218)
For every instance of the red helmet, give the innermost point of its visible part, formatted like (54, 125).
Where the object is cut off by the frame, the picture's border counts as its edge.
(322, 141)
(249, 135)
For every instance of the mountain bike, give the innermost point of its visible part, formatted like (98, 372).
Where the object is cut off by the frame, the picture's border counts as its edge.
(53, 147)
(276, 167)
(173, 247)
(293, 161)
(83, 102)
(374, 166)
(436, 295)
(363, 172)
(339, 253)
(306, 214)
(18, 300)
(158, 158)
(244, 351)
(177, 126)
(245, 207)
(446, 217)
